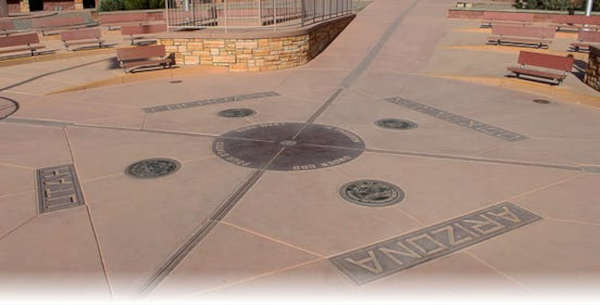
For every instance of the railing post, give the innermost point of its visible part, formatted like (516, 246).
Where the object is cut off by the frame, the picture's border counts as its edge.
(274, 16)
(225, 13)
(314, 10)
(167, 15)
(260, 13)
(302, 11)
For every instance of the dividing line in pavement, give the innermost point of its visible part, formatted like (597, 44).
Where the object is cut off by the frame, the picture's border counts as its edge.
(51, 73)
(586, 168)
(368, 59)
(217, 215)
(224, 208)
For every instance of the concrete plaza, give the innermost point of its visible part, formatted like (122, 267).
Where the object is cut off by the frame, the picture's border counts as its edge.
(496, 194)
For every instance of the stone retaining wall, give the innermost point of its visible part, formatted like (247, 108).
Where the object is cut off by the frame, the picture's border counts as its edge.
(258, 51)
(592, 73)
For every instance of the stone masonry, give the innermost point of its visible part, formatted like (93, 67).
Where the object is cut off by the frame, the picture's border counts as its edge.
(257, 53)
(592, 73)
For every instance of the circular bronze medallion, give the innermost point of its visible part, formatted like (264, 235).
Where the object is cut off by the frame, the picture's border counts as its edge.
(153, 168)
(288, 146)
(373, 193)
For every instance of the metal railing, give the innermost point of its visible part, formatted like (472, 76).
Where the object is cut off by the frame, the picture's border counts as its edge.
(197, 14)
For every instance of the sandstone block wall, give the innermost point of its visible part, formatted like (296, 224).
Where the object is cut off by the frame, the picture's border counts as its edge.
(256, 54)
(592, 73)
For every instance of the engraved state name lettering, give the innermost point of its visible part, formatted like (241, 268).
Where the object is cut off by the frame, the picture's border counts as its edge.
(372, 262)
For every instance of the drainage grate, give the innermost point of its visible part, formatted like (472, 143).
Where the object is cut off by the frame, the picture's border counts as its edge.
(176, 81)
(373, 193)
(396, 124)
(7, 107)
(58, 188)
(152, 168)
(236, 112)
(541, 101)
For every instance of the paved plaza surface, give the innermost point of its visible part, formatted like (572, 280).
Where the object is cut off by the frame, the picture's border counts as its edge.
(400, 162)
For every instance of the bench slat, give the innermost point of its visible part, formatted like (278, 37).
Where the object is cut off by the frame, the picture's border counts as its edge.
(19, 40)
(542, 74)
(93, 33)
(56, 22)
(29, 48)
(141, 57)
(143, 29)
(562, 63)
(505, 16)
(145, 63)
(524, 31)
(141, 52)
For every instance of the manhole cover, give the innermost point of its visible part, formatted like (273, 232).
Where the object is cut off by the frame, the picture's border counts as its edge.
(152, 168)
(396, 124)
(7, 107)
(373, 193)
(296, 145)
(541, 101)
(236, 112)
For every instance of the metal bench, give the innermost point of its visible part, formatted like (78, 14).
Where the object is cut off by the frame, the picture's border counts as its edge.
(141, 31)
(85, 38)
(525, 36)
(584, 40)
(18, 43)
(134, 58)
(56, 24)
(504, 18)
(554, 67)
(575, 22)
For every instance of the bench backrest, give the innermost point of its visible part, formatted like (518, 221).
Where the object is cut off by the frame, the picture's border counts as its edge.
(524, 31)
(588, 36)
(576, 19)
(6, 25)
(125, 17)
(141, 52)
(504, 16)
(563, 63)
(81, 34)
(143, 29)
(53, 22)
(19, 40)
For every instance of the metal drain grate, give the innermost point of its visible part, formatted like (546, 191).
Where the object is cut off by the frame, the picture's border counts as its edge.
(58, 188)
